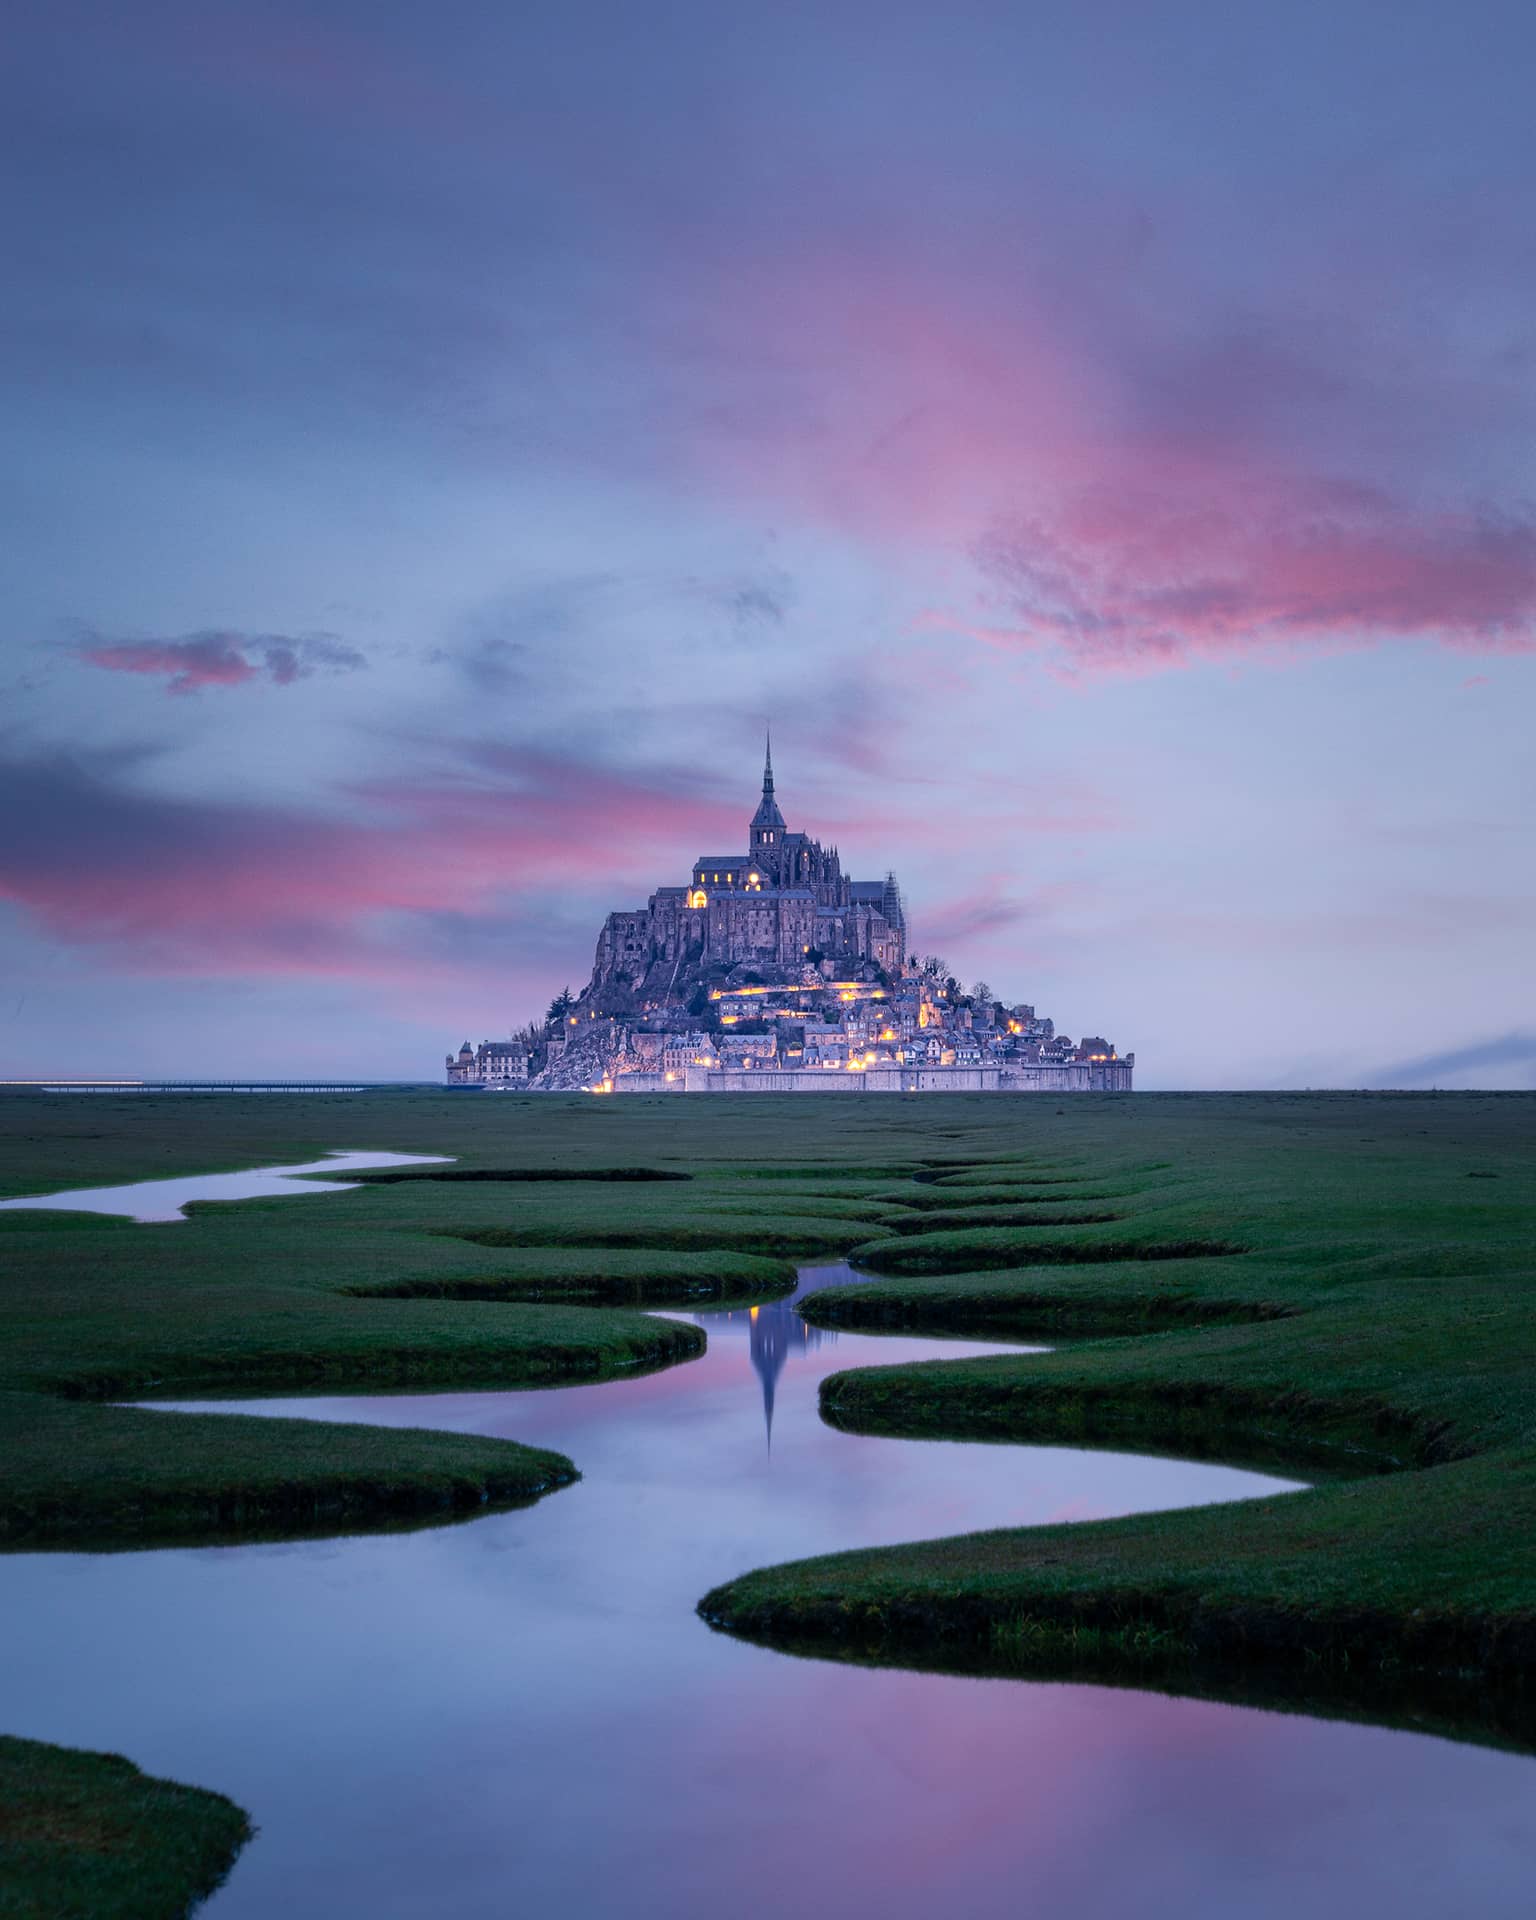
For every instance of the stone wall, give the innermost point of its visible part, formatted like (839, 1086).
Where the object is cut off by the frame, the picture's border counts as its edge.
(770, 929)
(1072, 1077)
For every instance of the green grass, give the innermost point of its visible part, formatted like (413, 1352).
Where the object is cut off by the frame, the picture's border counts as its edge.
(86, 1836)
(1369, 1316)
(264, 1297)
(526, 1269)
(609, 1276)
(1341, 1283)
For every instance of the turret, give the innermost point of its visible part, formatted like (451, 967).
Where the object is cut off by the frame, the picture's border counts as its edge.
(891, 907)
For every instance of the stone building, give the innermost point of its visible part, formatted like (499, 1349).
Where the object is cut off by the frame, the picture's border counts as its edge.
(497, 1063)
(774, 906)
(773, 971)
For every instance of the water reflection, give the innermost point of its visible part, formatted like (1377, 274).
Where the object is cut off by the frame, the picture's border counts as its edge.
(775, 1330)
(525, 1715)
(158, 1201)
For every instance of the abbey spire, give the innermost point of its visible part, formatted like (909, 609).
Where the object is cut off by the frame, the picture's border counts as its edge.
(767, 822)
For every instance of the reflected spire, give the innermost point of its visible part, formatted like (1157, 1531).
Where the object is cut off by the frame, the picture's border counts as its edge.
(775, 1329)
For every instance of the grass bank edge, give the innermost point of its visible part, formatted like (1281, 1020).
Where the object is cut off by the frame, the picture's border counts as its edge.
(1156, 1593)
(91, 1833)
(1390, 1337)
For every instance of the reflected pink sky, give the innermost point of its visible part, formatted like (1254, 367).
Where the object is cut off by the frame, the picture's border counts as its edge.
(524, 1712)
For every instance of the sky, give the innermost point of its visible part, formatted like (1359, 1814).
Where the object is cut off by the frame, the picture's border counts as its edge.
(1098, 439)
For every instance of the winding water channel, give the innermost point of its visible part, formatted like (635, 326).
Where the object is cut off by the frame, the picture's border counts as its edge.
(161, 1201)
(523, 1715)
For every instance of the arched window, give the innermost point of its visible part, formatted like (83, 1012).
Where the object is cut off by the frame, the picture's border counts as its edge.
(698, 898)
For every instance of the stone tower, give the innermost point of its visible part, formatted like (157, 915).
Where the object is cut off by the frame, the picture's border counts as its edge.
(766, 843)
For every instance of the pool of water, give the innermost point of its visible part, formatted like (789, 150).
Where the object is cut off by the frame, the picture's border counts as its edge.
(160, 1200)
(524, 1715)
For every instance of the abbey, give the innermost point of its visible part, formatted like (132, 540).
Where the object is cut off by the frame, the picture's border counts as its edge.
(781, 899)
(773, 972)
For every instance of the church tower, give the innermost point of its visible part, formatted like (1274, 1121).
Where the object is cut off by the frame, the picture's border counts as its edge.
(766, 843)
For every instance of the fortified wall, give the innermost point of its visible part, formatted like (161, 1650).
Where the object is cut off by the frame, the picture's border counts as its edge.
(1073, 1077)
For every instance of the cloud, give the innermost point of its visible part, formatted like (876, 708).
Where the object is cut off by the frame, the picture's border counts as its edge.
(527, 633)
(754, 601)
(214, 658)
(1123, 579)
(379, 888)
(987, 909)
(1506, 1051)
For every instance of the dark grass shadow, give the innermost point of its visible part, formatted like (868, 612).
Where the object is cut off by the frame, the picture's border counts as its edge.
(1462, 1706)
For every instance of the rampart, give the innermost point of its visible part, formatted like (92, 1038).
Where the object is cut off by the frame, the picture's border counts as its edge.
(1110, 1076)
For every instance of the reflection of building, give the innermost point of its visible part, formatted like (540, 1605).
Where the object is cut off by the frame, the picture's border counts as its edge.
(775, 1329)
(777, 1332)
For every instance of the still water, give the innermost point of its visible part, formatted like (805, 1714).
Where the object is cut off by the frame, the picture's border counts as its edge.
(523, 1716)
(160, 1200)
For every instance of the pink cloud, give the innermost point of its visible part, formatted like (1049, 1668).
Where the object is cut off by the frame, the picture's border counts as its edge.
(217, 659)
(1118, 579)
(1132, 499)
(188, 664)
(501, 869)
(412, 884)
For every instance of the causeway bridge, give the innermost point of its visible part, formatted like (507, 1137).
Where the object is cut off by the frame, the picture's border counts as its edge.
(256, 1084)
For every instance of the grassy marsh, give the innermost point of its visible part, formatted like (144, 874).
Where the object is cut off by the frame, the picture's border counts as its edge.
(88, 1833)
(1342, 1283)
(1341, 1279)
